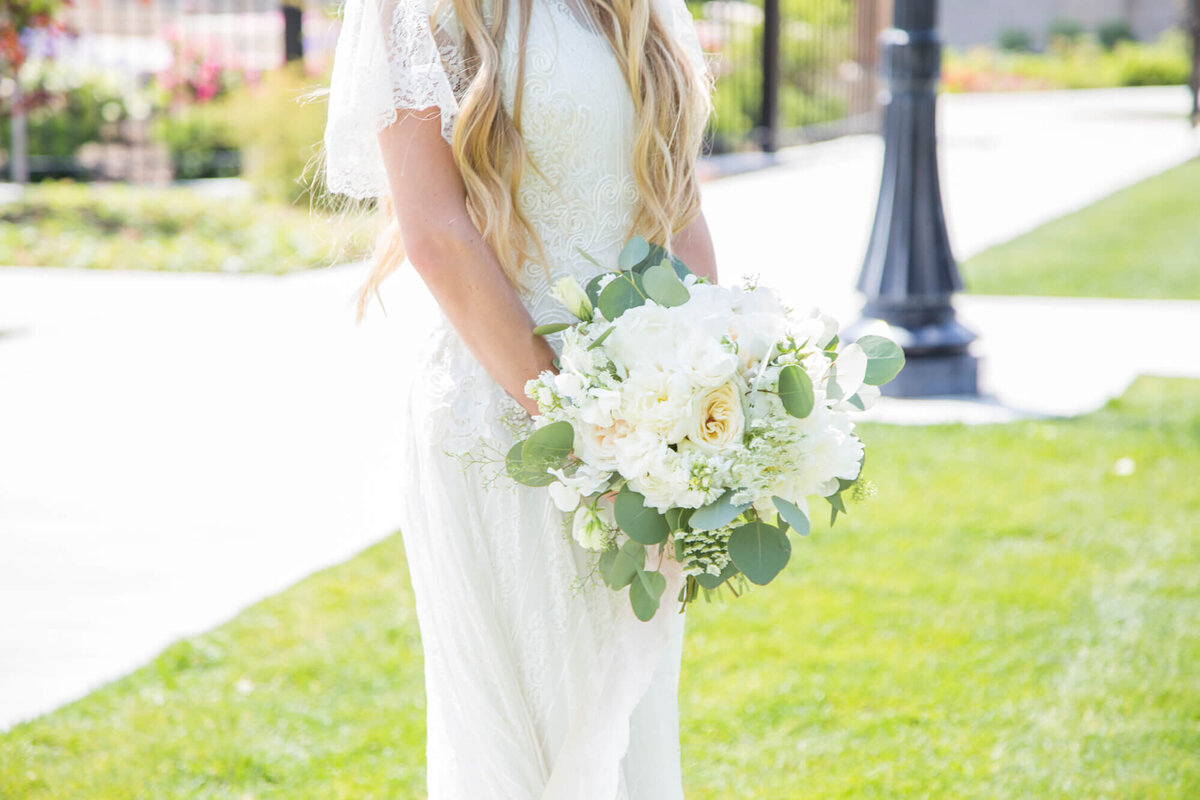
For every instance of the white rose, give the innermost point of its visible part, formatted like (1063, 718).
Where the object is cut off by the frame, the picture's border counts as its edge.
(718, 420)
(593, 526)
(568, 292)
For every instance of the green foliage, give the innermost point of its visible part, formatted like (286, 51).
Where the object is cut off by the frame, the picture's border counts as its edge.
(1076, 64)
(1025, 628)
(1113, 32)
(1016, 40)
(793, 515)
(642, 524)
(796, 391)
(126, 227)
(201, 144)
(760, 550)
(1140, 242)
(664, 287)
(547, 448)
(885, 359)
(1068, 30)
(278, 125)
(717, 514)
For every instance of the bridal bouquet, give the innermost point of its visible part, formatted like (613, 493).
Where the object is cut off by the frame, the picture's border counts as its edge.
(693, 421)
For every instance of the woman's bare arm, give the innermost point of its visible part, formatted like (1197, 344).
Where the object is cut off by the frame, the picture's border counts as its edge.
(694, 245)
(453, 259)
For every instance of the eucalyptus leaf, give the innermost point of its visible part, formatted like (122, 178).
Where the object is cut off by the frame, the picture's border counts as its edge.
(759, 550)
(599, 340)
(796, 391)
(677, 519)
(835, 500)
(681, 269)
(642, 524)
(832, 346)
(626, 562)
(550, 444)
(793, 514)
(716, 514)
(885, 359)
(633, 253)
(713, 581)
(857, 402)
(645, 593)
(664, 287)
(553, 327)
(607, 559)
(621, 294)
(529, 474)
(592, 290)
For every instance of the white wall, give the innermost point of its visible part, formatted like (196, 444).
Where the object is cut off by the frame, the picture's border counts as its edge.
(967, 22)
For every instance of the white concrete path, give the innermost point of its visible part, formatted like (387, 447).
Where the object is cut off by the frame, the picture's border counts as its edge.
(175, 447)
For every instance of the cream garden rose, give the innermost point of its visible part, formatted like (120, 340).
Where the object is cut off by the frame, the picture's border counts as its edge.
(718, 420)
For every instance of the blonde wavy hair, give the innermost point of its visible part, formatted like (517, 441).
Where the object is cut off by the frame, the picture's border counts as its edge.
(671, 104)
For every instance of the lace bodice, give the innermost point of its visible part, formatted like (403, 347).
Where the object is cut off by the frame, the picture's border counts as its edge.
(578, 193)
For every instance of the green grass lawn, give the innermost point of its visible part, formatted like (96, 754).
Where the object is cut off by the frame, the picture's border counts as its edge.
(170, 229)
(1010, 617)
(1141, 242)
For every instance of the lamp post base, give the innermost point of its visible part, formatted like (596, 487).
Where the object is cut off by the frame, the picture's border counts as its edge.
(936, 375)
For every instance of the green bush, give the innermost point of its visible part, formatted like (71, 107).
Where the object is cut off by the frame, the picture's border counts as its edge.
(1065, 29)
(202, 143)
(1082, 65)
(1015, 40)
(1113, 32)
(278, 128)
(1165, 63)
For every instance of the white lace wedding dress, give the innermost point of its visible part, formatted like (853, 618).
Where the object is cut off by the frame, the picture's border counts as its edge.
(540, 683)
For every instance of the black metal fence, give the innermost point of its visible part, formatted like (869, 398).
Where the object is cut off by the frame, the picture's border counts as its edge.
(790, 71)
(113, 96)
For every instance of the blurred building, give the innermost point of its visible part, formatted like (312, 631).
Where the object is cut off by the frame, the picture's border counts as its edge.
(972, 22)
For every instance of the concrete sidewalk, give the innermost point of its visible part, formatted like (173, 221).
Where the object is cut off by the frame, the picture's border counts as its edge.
(175, 447)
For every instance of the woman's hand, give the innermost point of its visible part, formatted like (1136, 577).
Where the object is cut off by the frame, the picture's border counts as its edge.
(453, 259)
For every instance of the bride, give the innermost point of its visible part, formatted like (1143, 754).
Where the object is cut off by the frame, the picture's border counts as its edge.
(507, 138)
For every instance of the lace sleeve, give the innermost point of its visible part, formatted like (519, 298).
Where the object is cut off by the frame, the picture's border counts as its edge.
(391, 55)
(674, 15)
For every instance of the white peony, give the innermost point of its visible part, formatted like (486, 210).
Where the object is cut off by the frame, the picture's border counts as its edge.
(658, 401)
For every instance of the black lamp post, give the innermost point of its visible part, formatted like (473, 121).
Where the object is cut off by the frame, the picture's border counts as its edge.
(909, 273)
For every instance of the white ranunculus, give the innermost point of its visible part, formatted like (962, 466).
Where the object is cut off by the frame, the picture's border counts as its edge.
(597, 445)
(718, 420)
(593, 526)
(568, 292)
